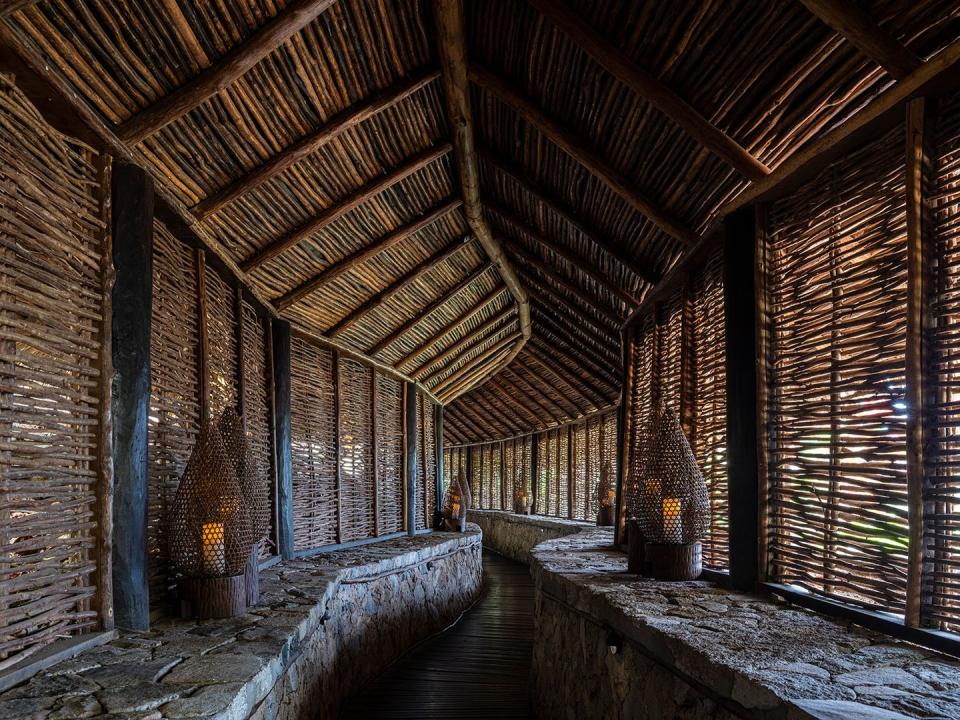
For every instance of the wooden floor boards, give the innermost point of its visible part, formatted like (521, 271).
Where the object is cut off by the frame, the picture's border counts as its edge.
(476, 670)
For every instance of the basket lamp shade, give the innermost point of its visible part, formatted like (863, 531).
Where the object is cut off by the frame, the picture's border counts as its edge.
(673, 508)
(456, 502)
(211, 534)
(606, 497)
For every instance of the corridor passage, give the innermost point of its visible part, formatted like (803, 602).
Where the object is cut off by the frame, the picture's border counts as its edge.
(478, 669)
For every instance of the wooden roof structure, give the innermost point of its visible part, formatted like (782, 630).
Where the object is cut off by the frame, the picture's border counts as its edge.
(476, 195)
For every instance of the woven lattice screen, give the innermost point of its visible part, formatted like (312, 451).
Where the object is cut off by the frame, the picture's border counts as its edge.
(222, 343)
(836, 283)
(426, 461)
(313, 440)
(174, 394)
(356, 450)
(476, 476)
(51, 350)
(388, 413)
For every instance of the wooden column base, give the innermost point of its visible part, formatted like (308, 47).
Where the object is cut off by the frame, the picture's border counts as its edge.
(676, 562)
(220, 597)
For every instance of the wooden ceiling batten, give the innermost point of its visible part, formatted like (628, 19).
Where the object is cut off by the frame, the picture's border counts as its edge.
(452, 50)
(222, 73)
(468, 342)
(340, 208)
(463, 375)
(333, 128)
(568, 214)
(511, 384)
(853, 23)
(651, 89)
(444, 298)
(577, 149)
(336, 269)
(438, 258)
(514, 398)
(571, 395)
(577, 262)
(551, 362)
(584, 360)
(564, 327)
(461, 319)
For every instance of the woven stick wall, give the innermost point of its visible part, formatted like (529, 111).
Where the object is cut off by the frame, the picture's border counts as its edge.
(356, 450)
(426, 461)
(389, 441)
(837, 287)
(222, 342)
(52, 272)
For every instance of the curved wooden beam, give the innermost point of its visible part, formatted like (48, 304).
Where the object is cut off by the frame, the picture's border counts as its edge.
(222, 73)
(452, 50)
(306, 146)
(650, 89)
(556, 133)
(382, 244)
(343, 206)
(862, 31)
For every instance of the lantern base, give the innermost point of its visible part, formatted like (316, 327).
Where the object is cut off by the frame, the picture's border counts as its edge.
(606, 515)
(675, 561)
(215, 597)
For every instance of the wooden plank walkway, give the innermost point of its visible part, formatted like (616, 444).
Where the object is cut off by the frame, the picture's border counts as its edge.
(479, 668)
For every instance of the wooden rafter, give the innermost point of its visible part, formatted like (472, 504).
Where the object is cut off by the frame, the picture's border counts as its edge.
(381, 244)
(427, 311)
(579, 359)
(600, 337)
(531, 364)
(472, 421)
(576, 261)
(342, 207)
(495, 385)
(862, 31)
(306, 146)
(563, 327)
(509, 423)
(573, 408)
(573, 146)
(465, 317)
(484, 333)
(415, 273)
(586, 359)
(224, 72)
(452, 51)
(651, 89)
(477, 362)
(474, 378)
(513, 388)
(550, 362)
(606, 314)
(542, 294)
(569, 215)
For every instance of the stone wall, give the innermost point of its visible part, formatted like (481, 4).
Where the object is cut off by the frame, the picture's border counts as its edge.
(696, 650)
(325, 626)
(514, 536)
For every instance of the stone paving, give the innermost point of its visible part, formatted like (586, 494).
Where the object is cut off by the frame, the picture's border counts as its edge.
(324, 626)
(729, 653)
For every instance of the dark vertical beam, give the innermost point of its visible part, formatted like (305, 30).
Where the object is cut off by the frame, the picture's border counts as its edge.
(438, 505)
(534, 461)
(410, 455)
(740, 308)
(337, 394)
(280, 334)
(132, 228)
(203, 357)
(375, 442)
(624, 418)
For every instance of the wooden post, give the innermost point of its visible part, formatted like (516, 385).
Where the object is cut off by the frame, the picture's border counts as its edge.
(410, 456)
(571, 482)
(203, 356)
(335, 363)
(624, 418)
(375, 442)
(534, 480)
(742, 438)
(132, 227)
(918, 392)
(280, 333)
(438, 505)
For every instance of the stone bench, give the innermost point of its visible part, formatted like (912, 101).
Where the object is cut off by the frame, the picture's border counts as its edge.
(514, 536)
(696, 650)
(324, 627)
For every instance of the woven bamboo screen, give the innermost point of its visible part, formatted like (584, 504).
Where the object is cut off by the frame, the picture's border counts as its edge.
(553, 473)
(174, 391)
(388, 414)
(356, 451)
(52, 256)
(836, 282)
(426, 461)
(678, 357)
(476, 476)
(222, 341)
(313, 441)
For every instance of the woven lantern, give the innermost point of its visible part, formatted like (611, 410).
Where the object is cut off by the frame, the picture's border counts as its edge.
(673, 506)
(456, 502)
(255, 489)
(211, 535)
(606, 497)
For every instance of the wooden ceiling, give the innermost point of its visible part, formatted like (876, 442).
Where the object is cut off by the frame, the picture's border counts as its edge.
(477, 197)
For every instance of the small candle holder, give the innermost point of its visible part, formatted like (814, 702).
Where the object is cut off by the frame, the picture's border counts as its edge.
(672, 506)
(211, 533)
(606, 498)
(456, 502)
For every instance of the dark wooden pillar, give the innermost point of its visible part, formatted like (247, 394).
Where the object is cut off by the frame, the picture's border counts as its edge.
(132, 226)
(410, 455)
(624, 416)
(281, 421)
(740, 315)
(438, 505)
(534, 480)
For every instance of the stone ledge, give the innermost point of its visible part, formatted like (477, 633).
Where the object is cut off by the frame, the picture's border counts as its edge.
(324, 626)
(728, 654)
(514, 536)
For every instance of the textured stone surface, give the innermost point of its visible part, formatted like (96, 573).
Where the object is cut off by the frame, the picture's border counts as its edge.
(513, 535)
(325, 626)
(692, 649)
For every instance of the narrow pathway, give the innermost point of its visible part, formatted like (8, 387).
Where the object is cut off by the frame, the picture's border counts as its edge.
(479, 668)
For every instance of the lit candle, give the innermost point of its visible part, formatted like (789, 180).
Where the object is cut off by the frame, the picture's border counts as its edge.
(214, 549)
(672, 523)
(455, 510)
